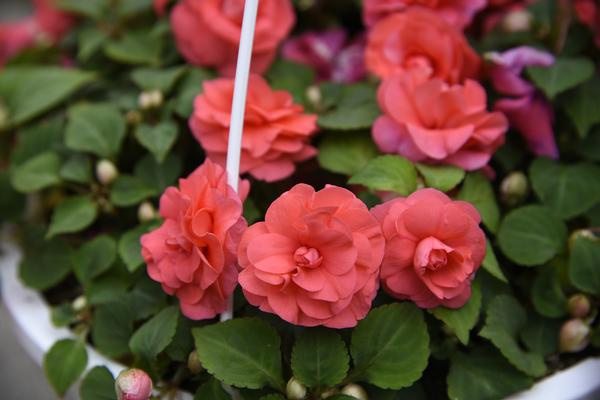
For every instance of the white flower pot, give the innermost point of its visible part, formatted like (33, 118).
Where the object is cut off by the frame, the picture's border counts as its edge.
(33, 328)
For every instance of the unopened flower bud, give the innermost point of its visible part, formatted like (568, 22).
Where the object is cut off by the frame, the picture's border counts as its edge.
(146, 212)
(579, 306)
(574, 336)
(517, 21)
(151, 99)
(356, 391)
(514, 188)
(194, 364)
(295, 390)
(106, 172)
(133, 117)
(329, 393)
(79, 304)
(581, 234)
(133, 384)
(313, 95)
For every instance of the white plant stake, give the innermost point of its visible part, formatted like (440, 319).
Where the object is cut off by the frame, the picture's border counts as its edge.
(238, 108)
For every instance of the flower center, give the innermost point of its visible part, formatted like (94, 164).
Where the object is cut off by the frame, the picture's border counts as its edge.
(307, 257)
(419, 65)
(437, 258)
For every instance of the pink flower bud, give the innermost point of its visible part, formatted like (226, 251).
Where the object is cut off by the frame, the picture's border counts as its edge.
(146, 212)
(356, 391)
(574, 336)
(579, 306)
(133, 384)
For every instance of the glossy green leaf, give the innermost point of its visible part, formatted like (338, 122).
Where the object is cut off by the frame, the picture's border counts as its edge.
(441, 177)
(159, 175)
(64, 363)
(156, 334)
(320, 359)
(390, 347)
(35, 139)
(130, 249)
(462, 320)
(36, 173)
(46, 262)
(157, 139)
(211, 390)
(77, 168)
(129, 190)
(98, 384)
(505, 320)
(564, 74)
(584, 265)
(531, 235)
(94, 258)
(484, 375)
(157, 79)
(568, 190)
(393, 173)
(291, 77)
(112, 328)
(478, 191)
(95, 128)
(346, 153)
(356, 108)
(28, 91)
(72, 215)
(136, 47)
(94, 9)
(547, 294)
(190, 87)
(250, 360)
(490, 263)
(582, 105)
(540, 334)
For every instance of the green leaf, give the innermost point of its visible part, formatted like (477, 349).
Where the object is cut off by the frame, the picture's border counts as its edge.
(250, 360)
(46, 262)
(159, 175)
(589, 148)
(483, 375)
(564, 74)
(132, 8)
(463, 319)
(28, 92)
(112, 328)
(478, 191)
(64, 363)
(146, 298)
(211, 390)
(63, 315)
(531, 235)
(157, 79)
(356, 109)
(584, 264)
(582, 106)
(36, 139)
(12, 203)
(98, 384)
(130, 248)
(505, 319)
(90, 41)
(95, 128)
(157, 139)
(72, 215)
(320, 359)
(346, 153)
(441, 177)
(490, 263)
(540, 334)
(129, 190)
(109, 286)
(138, 47)
(251, 212)
(36, 173)
(183, 342)
(94, 258)
(276, 396)
(546, 292)
(93, 9)
(568, 190)
(393, 173)
(190, 87)
(390, 347)
(291, 77)
(156, 334)
(78, 169)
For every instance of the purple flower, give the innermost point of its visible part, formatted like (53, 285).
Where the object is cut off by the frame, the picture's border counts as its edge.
(329, 53)
(527, 110)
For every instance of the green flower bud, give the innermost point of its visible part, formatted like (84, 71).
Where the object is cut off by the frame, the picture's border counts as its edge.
(517, 21)
(194, 364)
(146, 212)
(579, 306)
(514, 189)
(106, 172)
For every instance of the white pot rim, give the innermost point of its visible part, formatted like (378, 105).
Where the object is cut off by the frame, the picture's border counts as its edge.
(34, 330)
